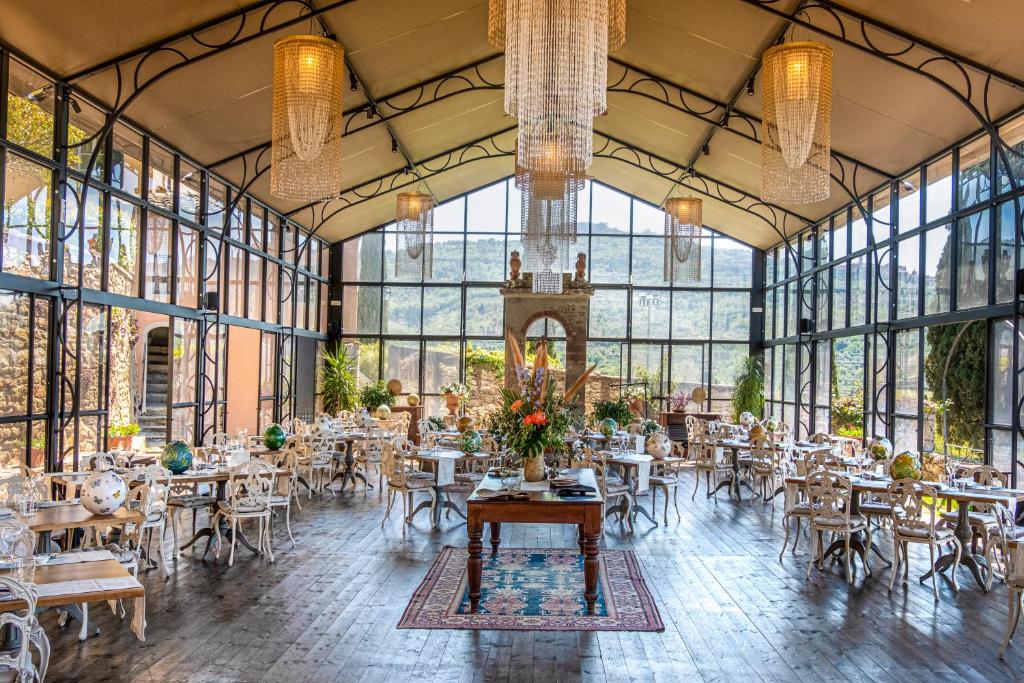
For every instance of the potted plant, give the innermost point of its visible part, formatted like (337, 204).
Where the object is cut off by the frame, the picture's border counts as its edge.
(373, 396)
(455, 394)
(616, 410)
(636, 396)
(748, 395)
(338, 378)
(123, 437)
(679, 400)
(534, 417)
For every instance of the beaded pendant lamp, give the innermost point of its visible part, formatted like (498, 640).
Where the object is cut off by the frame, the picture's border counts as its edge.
(683, 221)
(796, 125)
(307, 118)
(414, 219)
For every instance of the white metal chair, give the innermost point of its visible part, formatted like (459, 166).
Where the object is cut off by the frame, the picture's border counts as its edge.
(285, 489)
(397, 472)
(829, 496)
(796, 508)
(706, 460)
(915, 520)
(319, 462)
(19, 661)
(1012, 546)
(249, 488)
(157, 480)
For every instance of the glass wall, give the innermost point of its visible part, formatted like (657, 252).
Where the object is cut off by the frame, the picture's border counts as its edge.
(103, 293)
(908, 295)
(642, 331)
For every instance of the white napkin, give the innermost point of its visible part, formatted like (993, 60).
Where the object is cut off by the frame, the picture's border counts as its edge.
(535, 485)
(84, 556)
(445, 471)
(643, 476)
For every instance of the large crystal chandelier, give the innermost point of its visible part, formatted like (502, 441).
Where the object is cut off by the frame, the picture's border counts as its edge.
(796, 126)
(414, 219)
(616, 24)
(549, 212)
(307, 118)
(683, 221)
(556, 77)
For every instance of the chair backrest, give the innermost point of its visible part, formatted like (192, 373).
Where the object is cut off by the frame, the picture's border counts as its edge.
(424, 427)
(392, 464)
(23, 621)
(678, 450)
(251, 484)
(764, 455)
(988, 476)
(704, 451)
(94, 461)
(791, 492)
(829, 494)
(820, 438)
(695, 427)
(403, 444)
(914, 506)
(157, 479)
(489, 445)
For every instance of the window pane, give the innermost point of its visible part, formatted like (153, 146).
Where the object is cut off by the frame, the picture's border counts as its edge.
(909, 193)
(858, 232)
(361, 258)
(485, 258)
(254, 292)
(839, 296)
(939, 194)
(839, 236)
(123, 253)
(725, 362)
(447, 260)
(1012, 134)
(973, 252)
(648, 261)
(937, 270)
(610, 211)
(689, 366)
(450, 216)
(26, 218)
(908, 278)
(30, 109)
(161, 176)
(126, 171)
(402, 362)
(15, 318)
(733, 264)
(608, 313)
(271, 298)
(609, 259)
(650, 314)
(401, 310)
(907, 361)
(217, 204)
(236, 281)
(190, 202)
(1004, 257)
(858, 290)
(188, 267)
(158, 258)
(485, 311)
(486, 210)
(442, 310)
(360, 307)
(366, 353)
(732, 315)
(90, 258)
(647, 219)
(974, 183)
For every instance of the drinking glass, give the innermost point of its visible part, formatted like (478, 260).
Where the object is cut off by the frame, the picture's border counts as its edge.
(24, 569)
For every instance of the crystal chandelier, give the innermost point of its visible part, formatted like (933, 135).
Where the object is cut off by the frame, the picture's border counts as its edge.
(796, 126)
(414, 219)
(307, 118)
(616, 24)
(683, 223)
(556, 76)
(549, 213)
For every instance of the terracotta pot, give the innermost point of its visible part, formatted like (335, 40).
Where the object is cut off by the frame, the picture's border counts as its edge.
(452, 401)
(533, 468)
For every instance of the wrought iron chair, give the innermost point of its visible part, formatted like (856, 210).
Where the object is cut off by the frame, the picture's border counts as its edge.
(249, 489)
(23, 623)
(707, 460)
(397, 472)
(829, 496)
(915, 520)
(796, 506)
(1012, 546)
(285, 489)
(981, 516)
(157, 480)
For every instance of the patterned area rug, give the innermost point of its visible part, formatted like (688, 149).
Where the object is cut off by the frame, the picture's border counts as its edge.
(533, 589)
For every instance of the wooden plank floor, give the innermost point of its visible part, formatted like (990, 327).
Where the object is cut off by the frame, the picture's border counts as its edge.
(327, 610)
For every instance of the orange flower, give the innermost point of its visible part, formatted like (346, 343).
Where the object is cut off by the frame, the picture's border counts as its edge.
(537, 418)
(516, 405)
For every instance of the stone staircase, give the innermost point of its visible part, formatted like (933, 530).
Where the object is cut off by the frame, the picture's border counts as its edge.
(153, 420)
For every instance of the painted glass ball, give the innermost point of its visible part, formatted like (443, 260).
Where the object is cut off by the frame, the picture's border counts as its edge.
(880, 448)
(906, 465)
(104, 492)
(756, 433)
(177, 457)
(363, 418)
(383, 412)
(659, 446)
(470, 441)
(609, 426)
(412, 400)
(464, 423)
(771, 423)
(746, 419)
(274, 437)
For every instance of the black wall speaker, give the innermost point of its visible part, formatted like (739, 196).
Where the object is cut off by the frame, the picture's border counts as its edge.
(806, 326)
(211, 301)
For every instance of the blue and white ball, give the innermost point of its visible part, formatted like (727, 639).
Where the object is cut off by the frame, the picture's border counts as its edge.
(104, 492)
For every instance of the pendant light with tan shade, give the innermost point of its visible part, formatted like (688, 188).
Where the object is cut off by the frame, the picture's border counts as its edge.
(683, 229)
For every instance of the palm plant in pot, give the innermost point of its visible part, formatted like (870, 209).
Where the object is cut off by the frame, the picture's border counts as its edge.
(748, 395)
(338, 378)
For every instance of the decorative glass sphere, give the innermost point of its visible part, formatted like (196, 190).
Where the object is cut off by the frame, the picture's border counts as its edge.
(609, 426)
(470, 441)
(412, 400)
(906, 465)
(363, 418)
(771, 423)
(880, 448)
(177, 457)
(383, 412)
(659, 446)
(104, 492)
(464, 423)
(747, 420)
(274, 437)
(756, 433)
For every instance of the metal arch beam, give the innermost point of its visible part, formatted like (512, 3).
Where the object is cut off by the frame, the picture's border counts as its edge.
(466, 78)
(738, 122)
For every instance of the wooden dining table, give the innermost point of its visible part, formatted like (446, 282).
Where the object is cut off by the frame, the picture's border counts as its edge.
(443, 462)
(976, 564)
(541, 505)
(71, 514)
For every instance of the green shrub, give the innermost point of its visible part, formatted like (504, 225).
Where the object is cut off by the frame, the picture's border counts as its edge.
(375, 395)
(617, 410)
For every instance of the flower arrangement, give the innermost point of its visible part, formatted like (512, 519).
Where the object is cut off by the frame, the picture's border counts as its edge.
(373, 396)
(648, 427)
(533, 418)
(679, 400)
(455, 389)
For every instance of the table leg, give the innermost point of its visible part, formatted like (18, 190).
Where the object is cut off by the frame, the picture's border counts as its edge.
(495, 537)
(591, 564)
(581, 538)
(474, 563)
(640, 510)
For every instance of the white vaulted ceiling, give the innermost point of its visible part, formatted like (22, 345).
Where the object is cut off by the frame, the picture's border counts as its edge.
(885, 116)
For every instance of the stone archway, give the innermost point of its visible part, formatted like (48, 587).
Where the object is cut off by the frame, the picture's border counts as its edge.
(571, 309)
